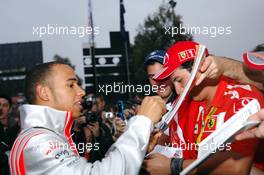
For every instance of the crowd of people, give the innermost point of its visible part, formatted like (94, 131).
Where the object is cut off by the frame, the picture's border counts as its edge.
(9, 126)
(58, 129)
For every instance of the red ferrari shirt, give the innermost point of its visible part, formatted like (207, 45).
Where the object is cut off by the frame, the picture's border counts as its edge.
(177, 132)
(198, 122)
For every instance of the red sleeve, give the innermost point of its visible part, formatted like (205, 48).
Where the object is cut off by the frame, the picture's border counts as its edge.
(245, 147)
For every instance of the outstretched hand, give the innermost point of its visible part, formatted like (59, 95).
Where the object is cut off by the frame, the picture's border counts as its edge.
(211, 68)
(257, 132)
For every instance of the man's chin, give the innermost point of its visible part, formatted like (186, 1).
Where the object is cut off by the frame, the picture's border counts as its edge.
(161, 94)
(76, 114)
(164, 96)
(196, 98)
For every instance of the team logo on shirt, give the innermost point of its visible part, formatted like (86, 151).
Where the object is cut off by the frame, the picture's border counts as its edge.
(245, 87)
(233, 94)
(211, 123)
(242, 102)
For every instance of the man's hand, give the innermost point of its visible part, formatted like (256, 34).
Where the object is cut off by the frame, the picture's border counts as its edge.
(154, 138)
(153, 108)
(157, 164)
(95, 128)
(81, 120)
(211, 68)
(257, 132)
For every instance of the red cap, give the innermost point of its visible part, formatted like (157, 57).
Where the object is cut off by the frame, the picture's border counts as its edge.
(176, 55)
(254, 60)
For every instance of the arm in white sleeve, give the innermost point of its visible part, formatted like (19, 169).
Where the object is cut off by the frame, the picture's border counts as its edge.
(123, 158)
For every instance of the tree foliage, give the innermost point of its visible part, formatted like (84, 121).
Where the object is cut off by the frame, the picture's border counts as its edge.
(259, 47)
(151, 36)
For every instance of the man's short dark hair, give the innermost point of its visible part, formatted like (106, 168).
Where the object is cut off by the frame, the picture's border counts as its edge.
(38, 75)
(7, 98)
(152, 62)
(188, 65)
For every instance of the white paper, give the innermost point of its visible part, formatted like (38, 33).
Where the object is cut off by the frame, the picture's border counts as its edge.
(166, 151)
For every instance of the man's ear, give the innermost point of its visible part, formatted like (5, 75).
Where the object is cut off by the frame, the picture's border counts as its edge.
(43, 93)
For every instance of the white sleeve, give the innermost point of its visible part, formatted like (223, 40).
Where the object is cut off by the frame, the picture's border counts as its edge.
(123, 158)
(126, 155)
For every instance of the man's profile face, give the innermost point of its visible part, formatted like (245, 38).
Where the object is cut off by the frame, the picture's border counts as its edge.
(66, 94)
(179, 78)
(165, 87)
(4, 107)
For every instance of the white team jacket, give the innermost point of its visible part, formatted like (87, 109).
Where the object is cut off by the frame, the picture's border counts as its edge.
(45, 146)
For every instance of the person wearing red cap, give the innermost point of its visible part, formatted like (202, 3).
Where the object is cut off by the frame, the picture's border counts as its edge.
(153, 64)
(173, 135)
(212, 104)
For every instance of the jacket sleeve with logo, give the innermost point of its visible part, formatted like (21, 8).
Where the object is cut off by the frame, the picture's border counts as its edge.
(47, 153)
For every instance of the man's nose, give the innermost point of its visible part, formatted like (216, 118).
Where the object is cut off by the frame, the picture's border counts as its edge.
(81, 91)
(155, 82)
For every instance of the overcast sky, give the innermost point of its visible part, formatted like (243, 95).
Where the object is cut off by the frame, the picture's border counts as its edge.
(17, 19)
